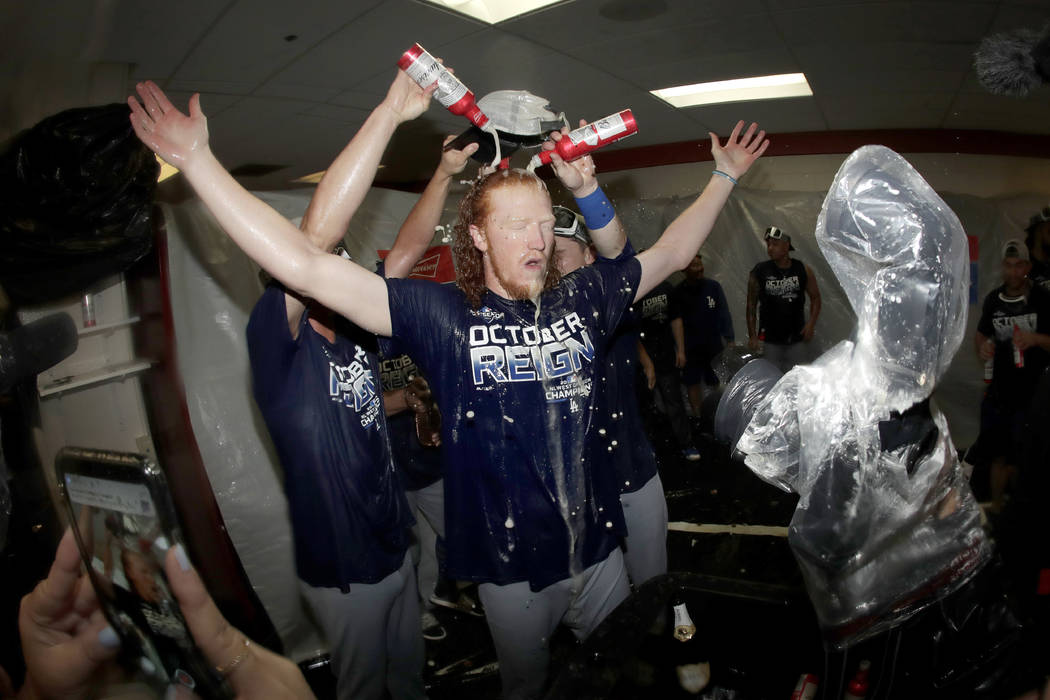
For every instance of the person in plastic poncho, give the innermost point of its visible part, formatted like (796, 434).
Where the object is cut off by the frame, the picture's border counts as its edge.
(886, 522)
(511, 356)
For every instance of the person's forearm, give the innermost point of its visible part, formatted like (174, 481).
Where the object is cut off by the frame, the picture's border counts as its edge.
(418, 229)
(979, 340)
(814, 311)
(608, 238)
(678, 331)
(644, 359)
(686, 234)
(282, 250)
(347, 180)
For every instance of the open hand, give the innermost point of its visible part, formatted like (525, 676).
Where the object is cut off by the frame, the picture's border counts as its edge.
(169, 133)
(740, 151)
(453, 161)
(578, 176)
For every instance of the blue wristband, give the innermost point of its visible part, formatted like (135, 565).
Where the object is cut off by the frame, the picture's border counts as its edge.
(725, 175)
(597, 210)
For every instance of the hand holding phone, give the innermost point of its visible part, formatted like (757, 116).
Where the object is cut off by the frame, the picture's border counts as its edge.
(125, 525)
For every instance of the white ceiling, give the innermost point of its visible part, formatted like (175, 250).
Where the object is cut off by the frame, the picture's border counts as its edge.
(873, 64)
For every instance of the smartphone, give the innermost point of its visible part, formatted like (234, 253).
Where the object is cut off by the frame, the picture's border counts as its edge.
(125, 523)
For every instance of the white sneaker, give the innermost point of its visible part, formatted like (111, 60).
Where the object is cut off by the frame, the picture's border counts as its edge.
(432, 627)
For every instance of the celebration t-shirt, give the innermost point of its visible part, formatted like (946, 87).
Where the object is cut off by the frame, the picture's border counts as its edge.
(525, 497)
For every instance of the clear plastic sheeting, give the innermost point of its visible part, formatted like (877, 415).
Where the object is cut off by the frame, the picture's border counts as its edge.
(748, 379)
(213, 289)
(886, 523)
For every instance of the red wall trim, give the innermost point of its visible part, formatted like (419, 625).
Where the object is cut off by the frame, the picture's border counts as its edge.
(804, 143)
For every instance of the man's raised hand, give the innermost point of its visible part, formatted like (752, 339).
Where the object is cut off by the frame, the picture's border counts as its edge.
(740, 152)
(577, 176)
(452, 161)
(406, 99)
(169, 133)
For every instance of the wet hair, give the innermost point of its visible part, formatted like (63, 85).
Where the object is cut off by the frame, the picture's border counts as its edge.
(473, 208)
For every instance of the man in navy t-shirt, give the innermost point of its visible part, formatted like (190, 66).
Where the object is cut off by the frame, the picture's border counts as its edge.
(316, 379)
(623, 440)
(511, 355)
(705, 324)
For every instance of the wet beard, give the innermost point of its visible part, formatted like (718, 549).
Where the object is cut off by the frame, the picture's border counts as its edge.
(522, 292)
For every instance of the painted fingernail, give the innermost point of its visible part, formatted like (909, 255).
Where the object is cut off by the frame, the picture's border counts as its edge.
(108, 638)
(180, 556)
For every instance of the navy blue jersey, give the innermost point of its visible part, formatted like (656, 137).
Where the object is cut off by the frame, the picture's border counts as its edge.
(624, 440)
(999, 315)
(322, 405)
(418, 466)
(705, 315)
(781, 301)
(526, 497)
(654, 313)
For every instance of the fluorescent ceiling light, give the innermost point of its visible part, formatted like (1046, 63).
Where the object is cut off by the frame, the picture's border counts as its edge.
(493, 11)
(166, 170)
(314, 178)
(768, 87)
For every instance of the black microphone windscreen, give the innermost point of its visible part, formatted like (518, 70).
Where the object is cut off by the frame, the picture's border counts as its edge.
(1005, 65)
(35, 347)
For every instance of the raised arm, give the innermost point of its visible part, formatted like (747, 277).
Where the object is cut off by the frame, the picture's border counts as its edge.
(683, 238)
(580, 178)
(418, 230)
(266, 236)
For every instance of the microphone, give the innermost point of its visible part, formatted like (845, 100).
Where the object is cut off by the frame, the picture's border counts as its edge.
(1013, 63)
(34, 347)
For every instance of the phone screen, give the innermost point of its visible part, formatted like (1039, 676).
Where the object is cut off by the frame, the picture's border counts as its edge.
(123, 539)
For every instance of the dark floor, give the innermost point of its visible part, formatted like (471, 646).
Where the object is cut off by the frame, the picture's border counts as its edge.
(747, 587)
(714, 490)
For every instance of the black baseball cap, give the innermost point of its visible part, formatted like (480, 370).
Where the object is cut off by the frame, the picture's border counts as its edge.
(777, 234)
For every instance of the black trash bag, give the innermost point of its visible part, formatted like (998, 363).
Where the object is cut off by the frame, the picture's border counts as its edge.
(76, 195)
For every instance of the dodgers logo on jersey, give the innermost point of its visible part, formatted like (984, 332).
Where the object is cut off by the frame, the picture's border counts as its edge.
(354, 386)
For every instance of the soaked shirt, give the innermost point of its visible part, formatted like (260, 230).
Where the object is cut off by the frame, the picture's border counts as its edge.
(622, 439)
(322, 405)
(526, 497)
(999, 315)
(781, 301)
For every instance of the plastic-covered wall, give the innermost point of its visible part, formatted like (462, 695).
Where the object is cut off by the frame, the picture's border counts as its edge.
(215, 286)
(736, 245)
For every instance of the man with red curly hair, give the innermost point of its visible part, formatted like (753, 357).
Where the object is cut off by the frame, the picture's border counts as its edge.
(512, 355)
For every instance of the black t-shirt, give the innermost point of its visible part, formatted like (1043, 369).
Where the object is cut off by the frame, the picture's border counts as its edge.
(654, 313)
(781, 301)
(999, 315)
